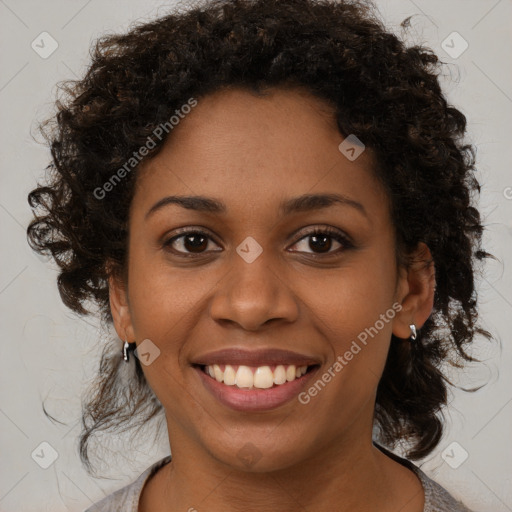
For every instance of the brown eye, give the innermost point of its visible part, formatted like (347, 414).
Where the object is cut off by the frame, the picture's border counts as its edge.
(321, 242)
(195, 242)
(191, 242)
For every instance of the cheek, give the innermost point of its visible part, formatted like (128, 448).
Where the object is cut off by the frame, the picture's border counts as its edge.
(350, 299)
(161, 299)
(358, 327)
(354, 311)
(164, 305)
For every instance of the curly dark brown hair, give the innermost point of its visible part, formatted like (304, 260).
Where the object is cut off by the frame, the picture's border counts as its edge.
(386, 93)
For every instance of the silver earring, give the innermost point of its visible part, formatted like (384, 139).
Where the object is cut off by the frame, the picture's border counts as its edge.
(126, 347)
(413, 332)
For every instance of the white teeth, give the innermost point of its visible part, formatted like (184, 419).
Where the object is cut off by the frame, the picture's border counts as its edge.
(219, 376)
(300, 371)
(244, 378)
(290, 373)
(279, 375)
(262, 377)
(229, 376)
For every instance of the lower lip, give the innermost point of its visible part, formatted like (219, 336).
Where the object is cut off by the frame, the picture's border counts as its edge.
(254, 399)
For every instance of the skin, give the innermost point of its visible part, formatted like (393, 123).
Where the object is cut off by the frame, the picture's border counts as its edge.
(252, 153)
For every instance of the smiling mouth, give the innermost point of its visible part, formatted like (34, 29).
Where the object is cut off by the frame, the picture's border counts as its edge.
(251, 377)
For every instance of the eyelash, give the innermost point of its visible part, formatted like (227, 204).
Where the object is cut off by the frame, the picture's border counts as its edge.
(327, 230)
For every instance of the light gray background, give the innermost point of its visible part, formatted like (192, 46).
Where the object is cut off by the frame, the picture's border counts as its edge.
(48, 353)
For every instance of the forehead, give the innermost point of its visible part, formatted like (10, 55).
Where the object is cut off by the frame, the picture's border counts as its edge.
(251, 150)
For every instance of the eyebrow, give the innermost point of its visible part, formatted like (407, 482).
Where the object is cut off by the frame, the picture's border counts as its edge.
(304, 203)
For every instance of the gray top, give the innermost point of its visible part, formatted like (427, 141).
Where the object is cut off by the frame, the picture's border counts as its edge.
(437, 499)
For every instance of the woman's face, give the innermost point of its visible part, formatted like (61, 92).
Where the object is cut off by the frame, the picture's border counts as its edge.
(257, 279)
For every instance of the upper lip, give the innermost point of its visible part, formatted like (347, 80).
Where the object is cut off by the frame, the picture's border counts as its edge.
(260, 357)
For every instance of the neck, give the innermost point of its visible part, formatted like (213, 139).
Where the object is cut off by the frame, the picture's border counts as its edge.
(354, 476)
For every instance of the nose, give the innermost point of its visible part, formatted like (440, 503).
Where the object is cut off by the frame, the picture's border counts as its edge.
(252, 295)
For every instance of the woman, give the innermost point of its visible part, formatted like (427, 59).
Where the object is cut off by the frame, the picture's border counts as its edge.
(272, 202)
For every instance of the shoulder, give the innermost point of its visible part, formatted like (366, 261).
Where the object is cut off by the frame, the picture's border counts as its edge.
(437, 498)
(127, 498)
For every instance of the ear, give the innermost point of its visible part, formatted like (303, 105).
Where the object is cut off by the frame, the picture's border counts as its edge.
(120, 308)
(416, 289)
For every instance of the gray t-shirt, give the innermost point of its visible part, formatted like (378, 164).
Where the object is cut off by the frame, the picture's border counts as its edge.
(437, 499)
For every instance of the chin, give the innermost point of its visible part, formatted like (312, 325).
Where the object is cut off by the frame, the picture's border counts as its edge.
(259, 453)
